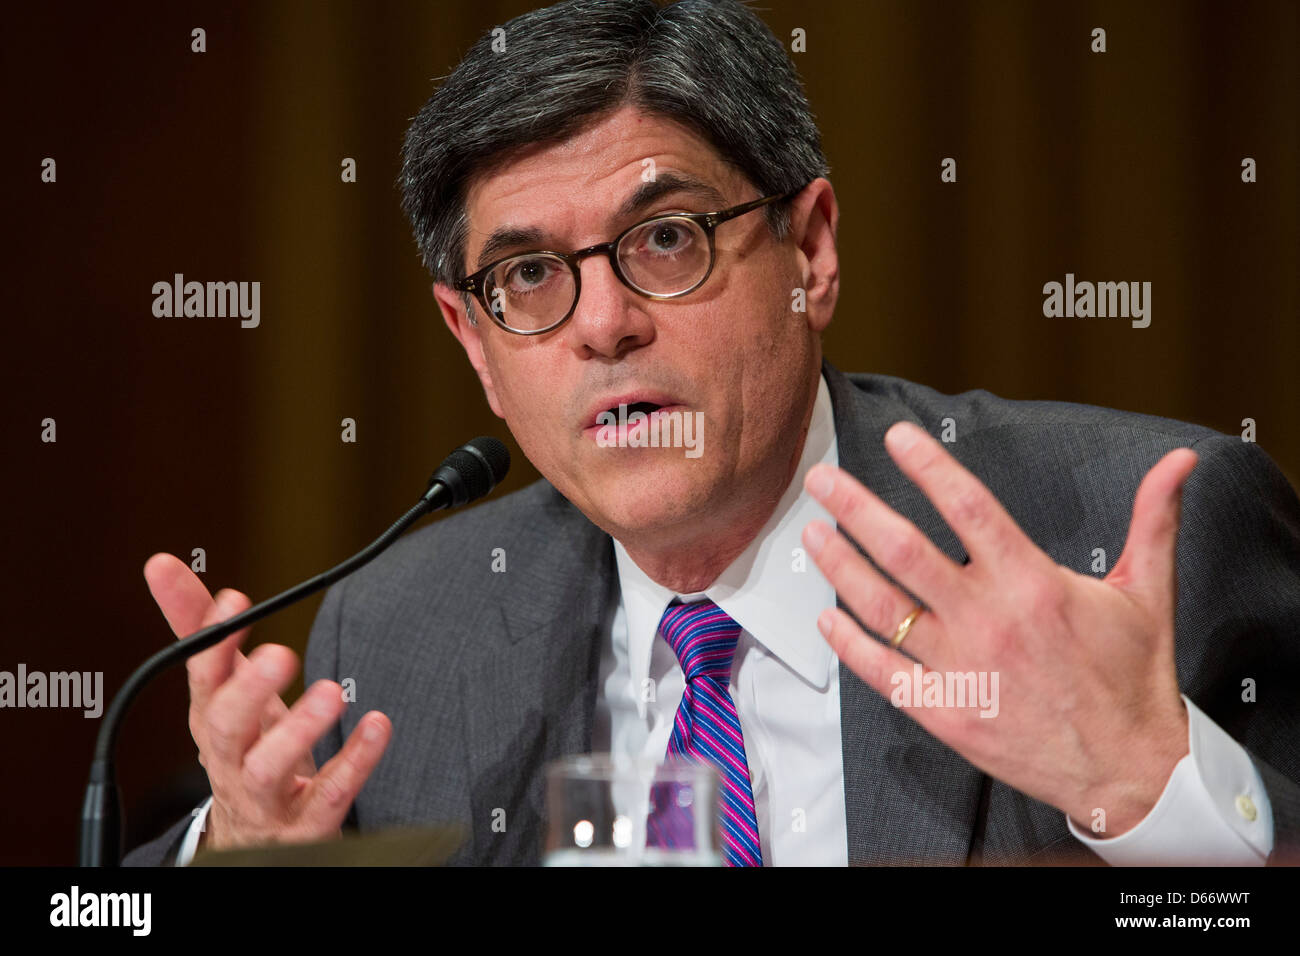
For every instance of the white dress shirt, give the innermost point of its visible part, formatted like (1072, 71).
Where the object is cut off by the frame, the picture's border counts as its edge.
(785, 684)
(784, 678)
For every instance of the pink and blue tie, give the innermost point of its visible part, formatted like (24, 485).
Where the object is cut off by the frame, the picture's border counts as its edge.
(707, 729)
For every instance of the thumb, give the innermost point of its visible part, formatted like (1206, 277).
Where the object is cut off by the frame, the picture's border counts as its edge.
(1150, 553)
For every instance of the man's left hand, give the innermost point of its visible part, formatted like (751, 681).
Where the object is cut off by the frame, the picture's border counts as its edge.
(1089, 715)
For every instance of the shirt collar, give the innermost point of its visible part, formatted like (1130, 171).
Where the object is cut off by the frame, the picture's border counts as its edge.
(772, 589)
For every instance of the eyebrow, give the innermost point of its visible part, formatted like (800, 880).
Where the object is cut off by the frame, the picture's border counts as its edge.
(505, 238)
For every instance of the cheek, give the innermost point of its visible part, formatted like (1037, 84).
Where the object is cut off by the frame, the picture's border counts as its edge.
(513, 375)
(771, 319)
(524, 404)
(532, 404)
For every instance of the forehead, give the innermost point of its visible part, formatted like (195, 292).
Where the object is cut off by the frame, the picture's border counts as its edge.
(584, 180)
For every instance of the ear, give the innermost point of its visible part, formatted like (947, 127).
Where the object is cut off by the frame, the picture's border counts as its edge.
(814, 220)
(452, 306)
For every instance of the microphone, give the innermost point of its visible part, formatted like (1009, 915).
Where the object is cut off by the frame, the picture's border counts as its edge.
(467, 474)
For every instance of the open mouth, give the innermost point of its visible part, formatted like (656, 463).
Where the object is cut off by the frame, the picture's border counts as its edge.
(622, 420)
(645, 407)
(627, 412)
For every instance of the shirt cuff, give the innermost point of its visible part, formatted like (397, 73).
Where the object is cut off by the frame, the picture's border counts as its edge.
(190, 845)
(1214, 809)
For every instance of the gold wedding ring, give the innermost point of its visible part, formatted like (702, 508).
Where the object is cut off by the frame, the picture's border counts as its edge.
(906, 625)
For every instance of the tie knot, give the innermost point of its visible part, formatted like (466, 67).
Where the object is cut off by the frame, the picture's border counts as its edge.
(703, 637)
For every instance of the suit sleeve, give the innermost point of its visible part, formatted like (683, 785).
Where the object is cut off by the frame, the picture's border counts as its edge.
(1238, 621)
(162, 850)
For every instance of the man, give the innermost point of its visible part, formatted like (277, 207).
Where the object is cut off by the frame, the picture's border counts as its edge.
(562, 186)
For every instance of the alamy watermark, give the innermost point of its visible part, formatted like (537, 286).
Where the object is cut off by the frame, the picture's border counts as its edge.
(181, 299)
(129, 910)
(1085, 300)
(656, 429)
(946, 689)
(76, 689)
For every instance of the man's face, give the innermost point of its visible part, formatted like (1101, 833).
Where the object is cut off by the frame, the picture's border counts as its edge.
(734, 349)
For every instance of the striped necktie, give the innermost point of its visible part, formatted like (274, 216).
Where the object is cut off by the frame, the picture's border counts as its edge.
(707, 729)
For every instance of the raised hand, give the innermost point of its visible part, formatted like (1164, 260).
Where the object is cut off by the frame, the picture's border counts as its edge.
(255, 749)
(1089, 715)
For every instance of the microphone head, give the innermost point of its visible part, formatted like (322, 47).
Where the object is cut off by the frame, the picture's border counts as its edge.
(493, 455)
(472, 470)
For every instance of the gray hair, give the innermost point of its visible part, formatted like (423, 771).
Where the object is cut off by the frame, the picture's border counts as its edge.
(711, 65)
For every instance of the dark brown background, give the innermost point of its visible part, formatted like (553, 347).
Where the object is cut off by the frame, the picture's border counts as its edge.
(183, 433)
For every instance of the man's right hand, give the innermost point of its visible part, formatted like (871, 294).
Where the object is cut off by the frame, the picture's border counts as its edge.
(256, 750)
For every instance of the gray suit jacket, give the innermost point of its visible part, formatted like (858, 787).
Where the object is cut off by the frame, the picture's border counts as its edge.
(488, 676)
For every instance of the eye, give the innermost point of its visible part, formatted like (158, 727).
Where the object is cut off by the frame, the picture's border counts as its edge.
(666, 239)
(527, 275)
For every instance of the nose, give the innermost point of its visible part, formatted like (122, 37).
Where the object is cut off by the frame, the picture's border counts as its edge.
(609, 319)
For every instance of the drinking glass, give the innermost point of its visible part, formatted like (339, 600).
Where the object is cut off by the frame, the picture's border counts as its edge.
(600, 808)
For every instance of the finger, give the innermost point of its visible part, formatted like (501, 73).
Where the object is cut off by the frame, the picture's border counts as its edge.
(233, 720)
(272, 713)
(881, 668)
(209, 669)
(332, 791)
(877, 603)
(188, 607)
(275, 708)
(179, 593)
(1150, 553)
(900, 548)
(971, 510)
(273, 761)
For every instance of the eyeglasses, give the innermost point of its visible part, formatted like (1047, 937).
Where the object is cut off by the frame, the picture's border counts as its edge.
(661, 258)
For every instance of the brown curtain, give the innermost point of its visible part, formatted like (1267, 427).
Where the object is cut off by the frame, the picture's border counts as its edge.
(177, 434)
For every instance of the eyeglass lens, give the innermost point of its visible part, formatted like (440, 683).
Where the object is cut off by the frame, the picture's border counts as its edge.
(664, 257)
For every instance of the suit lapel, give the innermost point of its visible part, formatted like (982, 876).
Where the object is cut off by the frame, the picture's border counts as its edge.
(909, 798)
(529, 685)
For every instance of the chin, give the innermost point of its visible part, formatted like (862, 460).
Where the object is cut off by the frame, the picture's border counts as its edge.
(656, 494)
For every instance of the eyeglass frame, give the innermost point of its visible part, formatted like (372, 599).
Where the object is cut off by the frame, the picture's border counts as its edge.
(708, 221)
